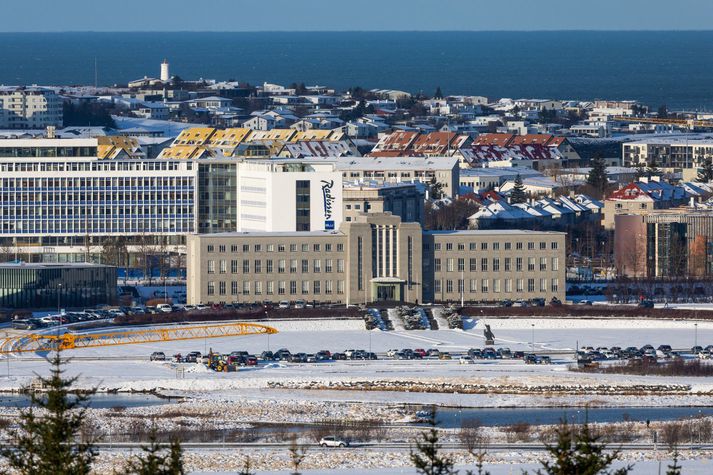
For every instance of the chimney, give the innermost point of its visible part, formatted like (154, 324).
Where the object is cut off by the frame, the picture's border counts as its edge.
(51, 132)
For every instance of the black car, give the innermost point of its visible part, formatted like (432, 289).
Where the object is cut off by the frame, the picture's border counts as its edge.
(339, 356)
(267, 356)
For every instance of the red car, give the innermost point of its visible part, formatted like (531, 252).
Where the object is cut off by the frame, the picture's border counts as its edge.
(420, 351)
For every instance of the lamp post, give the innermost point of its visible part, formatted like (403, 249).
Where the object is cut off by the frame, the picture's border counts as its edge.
(59, 311)
(695, 334)
(533, 337)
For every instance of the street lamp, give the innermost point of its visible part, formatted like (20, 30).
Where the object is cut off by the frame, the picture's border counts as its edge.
(533, 337)
(59, 311)
(695, 334)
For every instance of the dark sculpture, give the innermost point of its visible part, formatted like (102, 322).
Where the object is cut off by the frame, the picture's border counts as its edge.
(489, 335)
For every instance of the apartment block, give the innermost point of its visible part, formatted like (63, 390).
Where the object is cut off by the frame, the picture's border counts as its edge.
(29, 108)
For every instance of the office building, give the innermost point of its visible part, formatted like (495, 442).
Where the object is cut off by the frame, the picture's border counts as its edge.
(404, 200)
(56, 286)
(375, 257)
(673, 243)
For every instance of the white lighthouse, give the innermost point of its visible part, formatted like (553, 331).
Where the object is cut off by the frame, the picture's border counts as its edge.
(165, 75)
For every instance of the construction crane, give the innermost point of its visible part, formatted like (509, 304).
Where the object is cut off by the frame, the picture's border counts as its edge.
(40, 342)
(690, 123)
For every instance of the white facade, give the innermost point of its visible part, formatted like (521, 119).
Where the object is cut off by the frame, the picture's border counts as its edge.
(29, 108)
(278, 196)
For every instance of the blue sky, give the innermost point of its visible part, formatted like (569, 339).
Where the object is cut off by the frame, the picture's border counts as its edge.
(336, 15)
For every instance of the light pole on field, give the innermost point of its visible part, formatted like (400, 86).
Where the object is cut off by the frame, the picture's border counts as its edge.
(695, 334)
(533, 337)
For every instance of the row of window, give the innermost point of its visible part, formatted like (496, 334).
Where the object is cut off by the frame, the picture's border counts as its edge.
(495, 246)
(327, 247)
(484, 264)
(293, 287)
(269, 266)
(498, 285)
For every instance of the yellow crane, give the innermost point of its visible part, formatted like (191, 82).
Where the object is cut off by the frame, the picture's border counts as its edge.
(39, 342)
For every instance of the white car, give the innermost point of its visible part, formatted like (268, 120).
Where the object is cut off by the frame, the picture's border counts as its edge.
(330, 441)
(164, 307)
(465, 360)
(391, 353)
(300, 304)
(284, 304)
(200, 306)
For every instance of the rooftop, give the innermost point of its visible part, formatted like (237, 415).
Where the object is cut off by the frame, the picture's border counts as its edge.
(37, 265)
(304, 234)
(492, 232)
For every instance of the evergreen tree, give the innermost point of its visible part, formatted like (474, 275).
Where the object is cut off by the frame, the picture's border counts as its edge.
(426, 457)
(706, 172)
(663, 112)
(438, 94)
(155, 460)
(517, 194)
(640, 171)
(674, 468)
(653, 169)
(435, 189)
(597, 178)
(46, 441)
(579, 452)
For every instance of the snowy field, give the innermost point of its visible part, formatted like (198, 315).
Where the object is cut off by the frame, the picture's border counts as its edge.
(249, 396)
(126, 368)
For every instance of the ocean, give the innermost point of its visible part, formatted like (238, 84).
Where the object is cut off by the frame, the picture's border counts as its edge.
(672, 68)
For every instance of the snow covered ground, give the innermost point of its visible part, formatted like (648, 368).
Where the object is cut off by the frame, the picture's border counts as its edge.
(125, 368)
(247, 396)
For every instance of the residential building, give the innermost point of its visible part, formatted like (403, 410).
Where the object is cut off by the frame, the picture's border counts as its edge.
(30, 108)
(642, 197)
(680, 154)
(375, 258)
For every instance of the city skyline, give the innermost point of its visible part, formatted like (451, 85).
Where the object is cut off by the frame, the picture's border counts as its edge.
(396, 15)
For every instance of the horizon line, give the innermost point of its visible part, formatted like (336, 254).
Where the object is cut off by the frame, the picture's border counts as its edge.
(586, 30)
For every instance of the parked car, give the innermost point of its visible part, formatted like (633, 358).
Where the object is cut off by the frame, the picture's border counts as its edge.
(465, 360)
(490, 354)
(444, 356)
(267, 356)
(192, 357)
(475, 353)
(164, 307)
(339, 356)
(284, 304)
(420, 351)
(433, 352)
(330, 441)
(504, 353)
(157, 356)
(299, 304)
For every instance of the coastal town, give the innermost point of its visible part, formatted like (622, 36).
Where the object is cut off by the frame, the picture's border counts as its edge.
(354, 265)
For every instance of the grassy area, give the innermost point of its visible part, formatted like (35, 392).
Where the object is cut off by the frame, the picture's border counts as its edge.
(676, 367)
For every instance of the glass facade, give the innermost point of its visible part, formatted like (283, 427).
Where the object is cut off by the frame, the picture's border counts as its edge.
(46, 286)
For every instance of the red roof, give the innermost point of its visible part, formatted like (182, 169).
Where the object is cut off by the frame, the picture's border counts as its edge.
(493, 139)
(532, 139)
